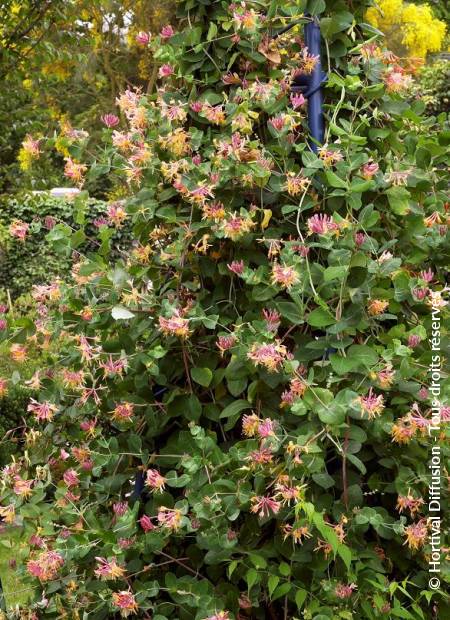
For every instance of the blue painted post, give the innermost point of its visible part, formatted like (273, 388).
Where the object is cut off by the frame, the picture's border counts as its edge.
(311, 86)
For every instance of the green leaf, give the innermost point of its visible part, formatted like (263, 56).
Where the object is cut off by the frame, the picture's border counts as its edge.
(120, 313)
(300, 597)
(272, 583)
(362, 354)
(399, 198)
(251, 577)
(212, 31)
(282, 590)
(334, 180)
(320, 318)
(290, 311)
(324, 480)
(203, 376)
(235, 407)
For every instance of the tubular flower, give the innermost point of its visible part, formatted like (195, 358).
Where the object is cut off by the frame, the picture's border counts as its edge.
(284, 276)
(174, 326)
(386, 377)
(377, 306)
(250, 425)
(22, 488)
(329, 156)
(71, 478)
(296, 183)
(3, 387)
(371, 405)
(8, 514)
(403, 431)
(236, 226)
(271, 355)
(169, 518)
(344, 591)
(260, 457)
(125, 602)
(109, 569)
(46, 566)
(225, 343)
(146, 523)
(177, 142)
(265, 506)
(214, 211)
(74, 171)
(298, 534)
(369, 170)
(321, 224)
(110, 120)
(416, 535)
(42, 411)
(155, 481)
(116, 213)
(123, 412)
(396, 80)
(266, 428)
(19, 229)
(409, 502)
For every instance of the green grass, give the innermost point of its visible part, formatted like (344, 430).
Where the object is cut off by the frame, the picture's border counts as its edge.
(15, 589)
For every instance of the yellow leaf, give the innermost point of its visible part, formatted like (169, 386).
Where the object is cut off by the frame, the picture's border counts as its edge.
(266, 220)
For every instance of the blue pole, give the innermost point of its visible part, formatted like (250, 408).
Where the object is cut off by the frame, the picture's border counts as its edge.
(311, 86)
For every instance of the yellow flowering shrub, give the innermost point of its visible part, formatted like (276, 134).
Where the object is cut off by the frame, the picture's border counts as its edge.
(410, 29)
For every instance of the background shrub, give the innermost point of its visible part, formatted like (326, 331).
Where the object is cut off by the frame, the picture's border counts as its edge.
(24, 264)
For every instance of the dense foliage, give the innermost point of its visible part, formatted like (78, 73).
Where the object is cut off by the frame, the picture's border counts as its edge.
(23, 264)
(63, 62)
(433, 87)
(235, 420)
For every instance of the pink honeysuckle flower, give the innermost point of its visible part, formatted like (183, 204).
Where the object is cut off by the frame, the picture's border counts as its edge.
(427, 276)
(269, 355)
(236, 267)
(42, 411)
(109, 569)
(71, 478)
(284, 276)
(167, 32)
(224, 343)
(196, 106)
(272, 319)
(143, 38)
(266, 428)
(360, 237)
(265, 506)
(120, 508)
(371, 404)
(369, 170)
(343, 591)
(169, 518)
(146, 524)
(278, 122)
(414, 340)
(155, 481)
(19, 229)
(110, 120)
(420, 293)
(125, 602)
(166, 71)
(321, 224)
(297, 100)
(262, 456)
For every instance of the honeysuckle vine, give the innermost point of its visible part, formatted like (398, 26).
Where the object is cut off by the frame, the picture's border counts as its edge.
(233, 420)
